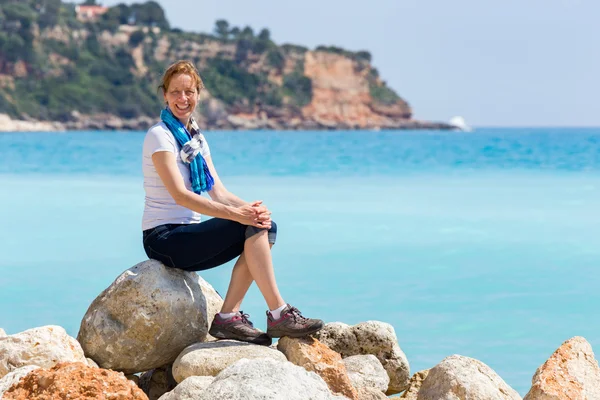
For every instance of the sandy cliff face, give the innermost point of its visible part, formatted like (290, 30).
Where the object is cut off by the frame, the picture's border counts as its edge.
(341, 93)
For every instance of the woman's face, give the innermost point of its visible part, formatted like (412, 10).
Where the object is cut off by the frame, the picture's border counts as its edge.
(182, 97)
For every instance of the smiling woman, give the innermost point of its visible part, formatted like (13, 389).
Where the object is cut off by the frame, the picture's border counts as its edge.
(178, 168)
(181, 86)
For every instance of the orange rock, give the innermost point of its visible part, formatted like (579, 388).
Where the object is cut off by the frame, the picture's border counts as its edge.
(571, 373)
(341, 94)
(313, 355)
(74, 381)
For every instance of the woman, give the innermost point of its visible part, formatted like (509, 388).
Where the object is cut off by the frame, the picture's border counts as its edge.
(177, 167)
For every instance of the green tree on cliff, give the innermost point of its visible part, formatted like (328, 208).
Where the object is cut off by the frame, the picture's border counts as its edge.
(222, 29)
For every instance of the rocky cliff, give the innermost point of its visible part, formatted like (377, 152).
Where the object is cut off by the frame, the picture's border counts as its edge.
(104, 74)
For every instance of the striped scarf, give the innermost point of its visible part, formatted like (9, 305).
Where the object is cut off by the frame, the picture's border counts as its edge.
(200, 177)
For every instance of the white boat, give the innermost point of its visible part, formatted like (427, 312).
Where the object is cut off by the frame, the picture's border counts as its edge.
(460, 124)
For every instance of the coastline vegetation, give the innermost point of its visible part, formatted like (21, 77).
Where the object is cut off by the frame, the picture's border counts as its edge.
(52, 63)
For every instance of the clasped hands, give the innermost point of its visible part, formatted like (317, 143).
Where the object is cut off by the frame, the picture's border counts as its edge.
(255, 214)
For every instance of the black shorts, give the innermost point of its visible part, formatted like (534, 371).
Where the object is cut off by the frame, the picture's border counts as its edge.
(201, 246)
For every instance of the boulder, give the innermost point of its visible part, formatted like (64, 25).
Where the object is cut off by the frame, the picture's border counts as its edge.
(74, 381)
(412, 392)
(214, 302)
(145, 318)
(463, 378)
(157, 382)
(366, 371)
(267, 379)
(2, 333)
(313, 355)
(45, 347)
(92, 363)
(570, 373)
(369, 393)
(189, 389)
(13, 377)
(371, 337)
(208, 359)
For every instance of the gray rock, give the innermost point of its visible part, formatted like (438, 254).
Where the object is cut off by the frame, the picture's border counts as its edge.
(190, 389)
(365, 371)
(209, 359)
(463, 378)
(243, 123)
(13, 377)
(267, 379)
(133, 378)
(157, 382)
(371, 337)
(570, 373)
(45, 347)
(145, 318)
(214, 110)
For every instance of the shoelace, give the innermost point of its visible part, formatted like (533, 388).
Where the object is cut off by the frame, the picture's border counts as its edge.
(297, 315)
(245, 319)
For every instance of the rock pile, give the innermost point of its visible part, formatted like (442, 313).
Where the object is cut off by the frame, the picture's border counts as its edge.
(145, 337)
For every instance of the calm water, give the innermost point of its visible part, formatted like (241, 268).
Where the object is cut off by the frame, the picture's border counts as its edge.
(482, 244)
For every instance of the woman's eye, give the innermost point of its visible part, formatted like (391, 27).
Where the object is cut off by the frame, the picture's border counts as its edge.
(189, 92)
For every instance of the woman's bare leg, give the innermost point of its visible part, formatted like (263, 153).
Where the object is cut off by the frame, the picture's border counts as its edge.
(240, 282)
(241, 279)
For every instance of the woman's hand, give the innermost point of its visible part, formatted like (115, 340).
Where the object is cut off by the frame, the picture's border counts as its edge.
(264, 215)
(246, 215)
(254, 214)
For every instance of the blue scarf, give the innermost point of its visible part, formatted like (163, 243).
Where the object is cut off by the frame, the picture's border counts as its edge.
(202, 180)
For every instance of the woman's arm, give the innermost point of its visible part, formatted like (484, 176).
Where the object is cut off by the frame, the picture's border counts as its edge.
(220, 194)
(166, 167)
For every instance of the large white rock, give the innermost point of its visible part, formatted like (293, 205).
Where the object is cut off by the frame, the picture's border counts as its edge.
(365, 371)
(13, 377)
(190, 389)
(570, 373)
(371, 337)
(463, 378)
(267, 379)
(214, 302)
(44, 346)
(208, 359)
(145, 318)
(2, 333)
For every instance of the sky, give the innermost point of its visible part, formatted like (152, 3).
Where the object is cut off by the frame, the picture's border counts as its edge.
(494, 62)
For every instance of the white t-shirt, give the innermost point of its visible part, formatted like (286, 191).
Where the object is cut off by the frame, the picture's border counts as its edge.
(160, 208)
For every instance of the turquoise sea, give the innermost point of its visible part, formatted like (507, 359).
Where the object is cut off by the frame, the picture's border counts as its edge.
(483, 244)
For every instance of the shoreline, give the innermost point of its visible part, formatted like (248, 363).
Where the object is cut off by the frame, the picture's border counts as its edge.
(113, 123)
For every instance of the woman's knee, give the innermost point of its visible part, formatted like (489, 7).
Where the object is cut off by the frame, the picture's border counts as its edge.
(271, 232)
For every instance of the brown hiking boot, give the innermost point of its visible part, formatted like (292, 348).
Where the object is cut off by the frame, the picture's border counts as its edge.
(238, 327)
(291, 323)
